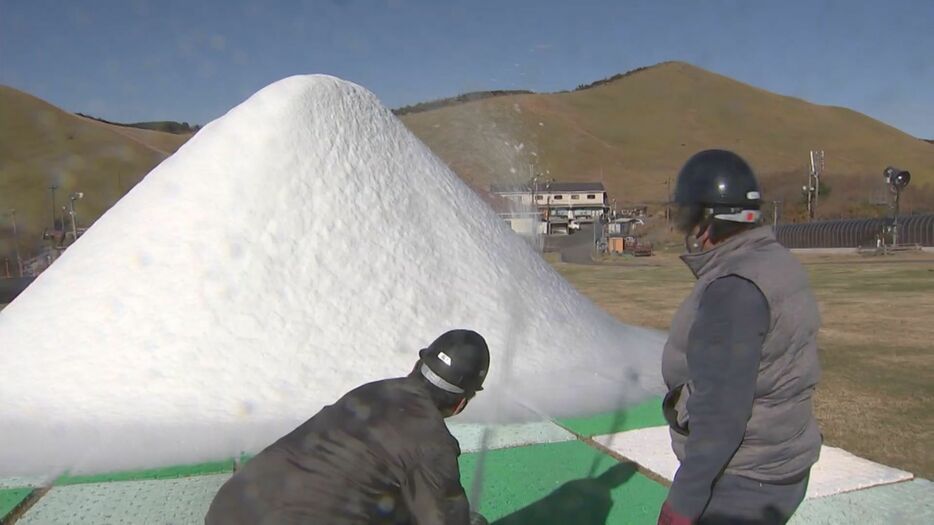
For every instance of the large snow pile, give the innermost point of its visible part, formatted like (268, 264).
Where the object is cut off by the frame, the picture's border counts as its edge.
(297, 247)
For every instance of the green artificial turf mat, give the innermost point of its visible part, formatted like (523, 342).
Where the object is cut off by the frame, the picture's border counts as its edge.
(646, 414)
(560, 483)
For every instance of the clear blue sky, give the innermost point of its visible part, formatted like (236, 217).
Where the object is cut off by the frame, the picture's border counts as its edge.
(133, 60)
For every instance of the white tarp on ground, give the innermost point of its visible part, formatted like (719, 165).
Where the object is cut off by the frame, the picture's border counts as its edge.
(297, 247)
(837, 471)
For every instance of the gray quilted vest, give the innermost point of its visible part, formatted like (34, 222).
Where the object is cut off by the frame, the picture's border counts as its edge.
(782, 438)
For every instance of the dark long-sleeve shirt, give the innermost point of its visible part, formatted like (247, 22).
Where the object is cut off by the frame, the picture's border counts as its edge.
(724, 348)
(381, 454)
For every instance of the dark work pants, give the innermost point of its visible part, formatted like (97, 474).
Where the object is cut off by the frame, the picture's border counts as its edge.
(746, 501)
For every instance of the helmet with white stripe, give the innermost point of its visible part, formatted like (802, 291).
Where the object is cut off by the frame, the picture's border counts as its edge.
(716, 184)
(456, 362)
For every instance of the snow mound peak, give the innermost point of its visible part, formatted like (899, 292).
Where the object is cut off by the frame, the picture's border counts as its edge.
(303, 244)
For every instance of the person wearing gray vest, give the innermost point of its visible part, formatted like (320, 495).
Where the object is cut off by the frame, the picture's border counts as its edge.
(741, 360)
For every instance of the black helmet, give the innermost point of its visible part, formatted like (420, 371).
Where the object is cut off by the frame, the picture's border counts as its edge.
(456, 362)
(716, 184)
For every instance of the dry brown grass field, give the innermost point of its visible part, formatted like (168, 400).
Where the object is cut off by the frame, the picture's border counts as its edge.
(876, 345)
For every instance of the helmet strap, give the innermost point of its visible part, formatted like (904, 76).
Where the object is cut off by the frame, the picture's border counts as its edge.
(460, 407)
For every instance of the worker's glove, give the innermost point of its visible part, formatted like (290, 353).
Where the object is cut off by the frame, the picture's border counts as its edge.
(477, 519)
(669, 517)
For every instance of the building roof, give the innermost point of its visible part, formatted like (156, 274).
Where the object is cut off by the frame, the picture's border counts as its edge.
(554, 187)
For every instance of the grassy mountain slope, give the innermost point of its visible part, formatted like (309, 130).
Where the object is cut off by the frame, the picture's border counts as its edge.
(632, 132)
(41, 145)
(635, 132)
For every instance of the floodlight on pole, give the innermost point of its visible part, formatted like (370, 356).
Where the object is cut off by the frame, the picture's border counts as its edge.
(898, 180)
(817, 169)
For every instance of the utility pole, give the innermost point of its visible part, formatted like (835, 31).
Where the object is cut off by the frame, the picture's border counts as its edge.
(898, 195)
(813, 189)
(817, 169)
(19, 259)
(53, 187)
(807, 191)
(533, 183)
(548, 206)
(897, 190)
(814, 183)
(668, 202)
(64, 236)
(775, 214)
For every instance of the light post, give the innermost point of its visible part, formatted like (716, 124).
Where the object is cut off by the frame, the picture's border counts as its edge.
(548, 206)
(536, 211)
(775, 214)
(897, 180)
(668, 203)
(74, 218)
(64, 231)
(817, 169)
(533, 182)
(808, 192)
(19, 259)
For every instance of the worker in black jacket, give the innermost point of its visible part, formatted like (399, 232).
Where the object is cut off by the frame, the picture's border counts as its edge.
(380, 455)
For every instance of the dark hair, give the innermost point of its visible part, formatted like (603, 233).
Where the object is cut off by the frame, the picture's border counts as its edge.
(687, 216)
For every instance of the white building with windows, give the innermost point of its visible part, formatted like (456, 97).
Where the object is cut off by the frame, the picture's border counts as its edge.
(582, 201)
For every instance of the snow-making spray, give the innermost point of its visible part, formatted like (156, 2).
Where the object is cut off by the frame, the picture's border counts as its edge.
(513, 162)
(516, 325)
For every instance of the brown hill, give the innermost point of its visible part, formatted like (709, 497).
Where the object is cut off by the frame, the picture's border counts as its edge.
(41, 145)
(630, 131)
(634, 131)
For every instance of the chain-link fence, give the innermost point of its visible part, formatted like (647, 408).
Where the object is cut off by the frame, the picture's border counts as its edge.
(858, 233)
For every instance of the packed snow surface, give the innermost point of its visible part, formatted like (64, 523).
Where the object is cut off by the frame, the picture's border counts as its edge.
(301, 245)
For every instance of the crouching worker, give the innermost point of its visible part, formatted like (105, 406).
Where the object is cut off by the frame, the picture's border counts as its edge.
(379, 455)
